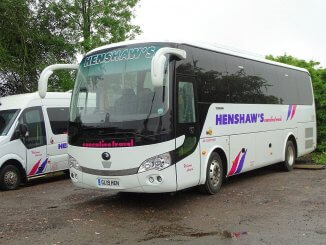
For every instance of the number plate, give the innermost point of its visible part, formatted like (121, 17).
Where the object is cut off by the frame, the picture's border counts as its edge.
(108, 183)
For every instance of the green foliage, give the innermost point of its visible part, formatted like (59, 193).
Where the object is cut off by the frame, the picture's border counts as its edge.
(319, 157)
(96, 22)
(28, 42)
(318, 76)
(38, 33)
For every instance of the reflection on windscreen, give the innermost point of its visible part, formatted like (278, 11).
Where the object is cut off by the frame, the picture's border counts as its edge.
(118, 92)
(7, 117)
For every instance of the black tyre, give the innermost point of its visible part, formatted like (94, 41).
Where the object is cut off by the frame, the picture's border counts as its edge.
(290, 155)
(67, 172)
(214, 175)
(10, 177)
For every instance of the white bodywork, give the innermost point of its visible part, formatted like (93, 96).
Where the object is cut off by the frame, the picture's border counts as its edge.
(263, 139)
(50, 157)
(248, 144)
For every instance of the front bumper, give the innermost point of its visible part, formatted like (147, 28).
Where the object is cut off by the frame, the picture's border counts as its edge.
(152, 181)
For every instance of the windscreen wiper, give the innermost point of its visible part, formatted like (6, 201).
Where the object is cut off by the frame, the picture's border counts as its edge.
(150, 137)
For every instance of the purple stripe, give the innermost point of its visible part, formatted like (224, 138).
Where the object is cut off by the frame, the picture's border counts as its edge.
(41, 168)
(241, 163)
(289, 112)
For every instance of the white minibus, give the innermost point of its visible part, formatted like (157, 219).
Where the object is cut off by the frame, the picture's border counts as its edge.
(173, 115)
(33, 136)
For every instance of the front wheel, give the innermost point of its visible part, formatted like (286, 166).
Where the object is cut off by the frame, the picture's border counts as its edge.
(214, 174)
(9, 177)
(290, 155)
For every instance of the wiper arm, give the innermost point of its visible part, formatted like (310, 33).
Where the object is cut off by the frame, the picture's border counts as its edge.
(150, 137)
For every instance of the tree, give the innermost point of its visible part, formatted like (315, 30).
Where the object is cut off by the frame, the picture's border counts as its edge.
(93, 23)
(37, 33)
(29, 41)
(318, 77)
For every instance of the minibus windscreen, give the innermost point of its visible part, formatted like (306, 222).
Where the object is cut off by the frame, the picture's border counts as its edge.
(7, 117)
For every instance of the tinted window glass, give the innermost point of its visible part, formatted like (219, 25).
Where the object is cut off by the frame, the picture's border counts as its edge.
(268, 84)
(211, 73)
(244, 85)
(7, 117)
(58, 119)
(186, 66)
(33, 119)
(186, 103)
(304, 88)
(288, 87)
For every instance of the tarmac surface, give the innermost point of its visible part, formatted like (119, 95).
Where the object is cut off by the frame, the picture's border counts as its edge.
(266, 206)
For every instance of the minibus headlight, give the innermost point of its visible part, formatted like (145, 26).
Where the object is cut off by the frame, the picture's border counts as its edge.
(159, 162)
(73, 163)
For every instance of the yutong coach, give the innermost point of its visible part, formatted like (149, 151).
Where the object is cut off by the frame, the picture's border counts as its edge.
(165, 116)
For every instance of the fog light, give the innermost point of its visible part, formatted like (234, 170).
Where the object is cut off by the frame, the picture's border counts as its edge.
(151, 179)
(159, 178)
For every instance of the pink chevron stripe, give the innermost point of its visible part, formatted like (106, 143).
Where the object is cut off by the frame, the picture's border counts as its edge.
(235, 164)
(34, 169)
(293, 111)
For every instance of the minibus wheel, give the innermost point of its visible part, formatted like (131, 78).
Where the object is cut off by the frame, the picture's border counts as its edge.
(290, 155)
(214, 174)
(9, 177)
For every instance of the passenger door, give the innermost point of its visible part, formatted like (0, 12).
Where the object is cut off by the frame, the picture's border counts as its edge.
(57, 145)
(35, 141)
(187, 155)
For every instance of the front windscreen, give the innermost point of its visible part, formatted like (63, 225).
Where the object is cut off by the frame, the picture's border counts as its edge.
(115, 86)
(7, 117)
(114, 97)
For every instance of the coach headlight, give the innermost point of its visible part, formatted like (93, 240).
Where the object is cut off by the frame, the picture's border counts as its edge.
(159, 162)
(73, 163)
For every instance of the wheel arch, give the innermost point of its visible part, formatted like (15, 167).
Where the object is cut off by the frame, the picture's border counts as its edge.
(222, 153)
(224, 159)
(292, 138)
(17, 164)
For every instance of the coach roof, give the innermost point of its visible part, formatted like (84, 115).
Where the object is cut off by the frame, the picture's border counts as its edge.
(199, 45)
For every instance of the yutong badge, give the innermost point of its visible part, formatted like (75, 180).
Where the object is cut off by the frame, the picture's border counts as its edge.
(106, 156)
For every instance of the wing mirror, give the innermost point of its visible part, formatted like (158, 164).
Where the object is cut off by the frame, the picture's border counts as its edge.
(47, 72)
(158, 63)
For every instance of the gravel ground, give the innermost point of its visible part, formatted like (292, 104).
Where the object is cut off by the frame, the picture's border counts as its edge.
(265, 206)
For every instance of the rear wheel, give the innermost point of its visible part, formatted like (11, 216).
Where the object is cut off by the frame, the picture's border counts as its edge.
(214, 174)
(10, 177)
(290, 155)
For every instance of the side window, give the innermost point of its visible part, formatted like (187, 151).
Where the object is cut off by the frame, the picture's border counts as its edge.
(288, 88)
(304, 86)
(211, 73)
(268, 84)
(186, 103)
(33, 119)
(186, 66)
(242, 82)
(58, 119)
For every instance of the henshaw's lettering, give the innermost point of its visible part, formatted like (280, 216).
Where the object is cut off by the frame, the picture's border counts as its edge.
(224, 119)
(120, 55)
(227, 119)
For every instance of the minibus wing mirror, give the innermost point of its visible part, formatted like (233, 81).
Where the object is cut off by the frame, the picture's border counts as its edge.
(158, 63)
(47, 72)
